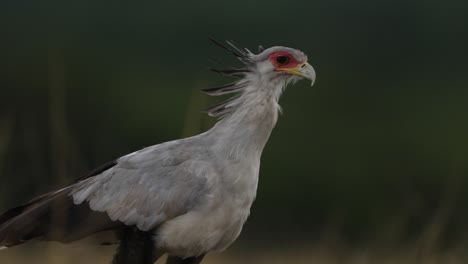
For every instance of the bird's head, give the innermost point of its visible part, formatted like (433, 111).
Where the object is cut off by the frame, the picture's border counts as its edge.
(283, 63)
(272, 64)
(269, 70)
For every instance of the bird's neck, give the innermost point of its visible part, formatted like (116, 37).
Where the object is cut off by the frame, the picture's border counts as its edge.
(244, 132)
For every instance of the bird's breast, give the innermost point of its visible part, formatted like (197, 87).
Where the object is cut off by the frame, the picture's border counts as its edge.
(218, 219)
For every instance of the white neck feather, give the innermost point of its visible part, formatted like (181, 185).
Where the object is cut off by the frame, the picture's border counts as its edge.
(245, 131)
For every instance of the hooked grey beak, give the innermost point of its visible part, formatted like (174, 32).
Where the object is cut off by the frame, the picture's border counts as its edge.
(307, 71)
(304, 70)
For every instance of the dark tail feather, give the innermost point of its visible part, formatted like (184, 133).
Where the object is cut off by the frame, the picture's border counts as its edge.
(136, 247)
(52, 216)
(8, 215)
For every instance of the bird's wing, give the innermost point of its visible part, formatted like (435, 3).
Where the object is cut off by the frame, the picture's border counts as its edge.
(150, 186)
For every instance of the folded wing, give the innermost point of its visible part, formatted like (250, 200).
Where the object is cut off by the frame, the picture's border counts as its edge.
(142, 189)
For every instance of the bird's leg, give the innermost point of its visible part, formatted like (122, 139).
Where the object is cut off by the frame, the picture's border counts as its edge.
(178, 260)
(136, 247)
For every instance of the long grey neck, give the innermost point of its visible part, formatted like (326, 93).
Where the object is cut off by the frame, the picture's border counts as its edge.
(244, 131)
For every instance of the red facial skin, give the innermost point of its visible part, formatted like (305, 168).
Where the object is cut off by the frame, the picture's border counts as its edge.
(291, 63)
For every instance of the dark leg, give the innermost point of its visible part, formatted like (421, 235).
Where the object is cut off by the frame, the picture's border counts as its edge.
(177, 260)
(136, 247)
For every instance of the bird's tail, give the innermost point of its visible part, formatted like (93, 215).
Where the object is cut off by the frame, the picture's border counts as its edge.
(52, 216)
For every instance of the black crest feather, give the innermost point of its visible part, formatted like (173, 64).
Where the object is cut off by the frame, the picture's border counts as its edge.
(225, 89)
(238, 53)
(225, 107)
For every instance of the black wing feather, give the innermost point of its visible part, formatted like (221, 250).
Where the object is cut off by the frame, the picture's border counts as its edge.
(54, 216)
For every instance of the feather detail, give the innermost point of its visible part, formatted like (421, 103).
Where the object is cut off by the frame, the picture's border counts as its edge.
(232, 72)
(225, 89)
(234, 47)
(243, 55)
(223, 108)
(215, 61)
(231, 48)
(260, 49)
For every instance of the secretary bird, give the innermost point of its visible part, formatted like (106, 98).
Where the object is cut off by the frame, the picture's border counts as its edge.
(185, 197)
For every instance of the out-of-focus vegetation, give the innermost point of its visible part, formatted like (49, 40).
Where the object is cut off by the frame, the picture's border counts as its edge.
(53, 253)
(376, 153)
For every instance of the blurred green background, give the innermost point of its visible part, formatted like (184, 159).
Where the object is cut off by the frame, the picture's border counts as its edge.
(376, 153)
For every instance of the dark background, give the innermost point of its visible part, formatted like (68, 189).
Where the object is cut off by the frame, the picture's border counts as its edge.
(376, 151)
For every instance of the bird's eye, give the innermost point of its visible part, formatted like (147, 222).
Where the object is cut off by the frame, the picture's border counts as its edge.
(281, 60)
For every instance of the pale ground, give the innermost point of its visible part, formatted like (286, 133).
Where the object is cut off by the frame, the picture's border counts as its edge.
(55, 253)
